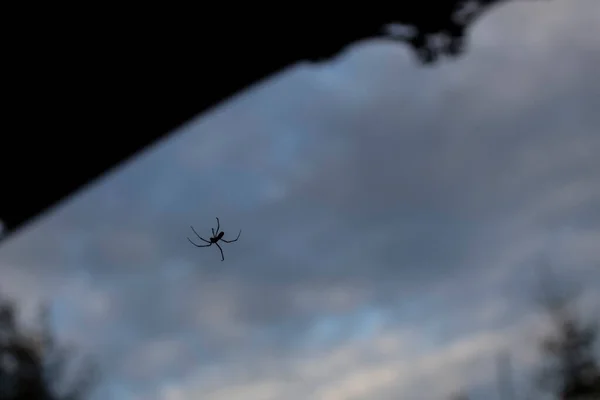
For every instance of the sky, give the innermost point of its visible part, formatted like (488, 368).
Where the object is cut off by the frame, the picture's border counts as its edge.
(394, 220)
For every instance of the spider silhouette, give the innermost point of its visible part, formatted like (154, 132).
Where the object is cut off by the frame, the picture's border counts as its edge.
(216, 236)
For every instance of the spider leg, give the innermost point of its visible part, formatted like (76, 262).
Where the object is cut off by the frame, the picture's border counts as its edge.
(199, 237)
(218, 225)
(222, 256)
(213, 232)
(234, 240)
(199, 245)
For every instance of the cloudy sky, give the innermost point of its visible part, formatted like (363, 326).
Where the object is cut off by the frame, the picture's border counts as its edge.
(394, 218)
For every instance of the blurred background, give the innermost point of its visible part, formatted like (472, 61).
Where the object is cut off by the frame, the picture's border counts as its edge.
(407, 233)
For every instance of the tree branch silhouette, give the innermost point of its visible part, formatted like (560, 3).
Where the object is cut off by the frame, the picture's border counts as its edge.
(33, 364)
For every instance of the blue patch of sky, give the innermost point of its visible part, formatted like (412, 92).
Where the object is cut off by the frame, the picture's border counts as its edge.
(359, 325)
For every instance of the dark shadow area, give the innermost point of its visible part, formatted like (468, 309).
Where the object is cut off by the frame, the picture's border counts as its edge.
(83, 95)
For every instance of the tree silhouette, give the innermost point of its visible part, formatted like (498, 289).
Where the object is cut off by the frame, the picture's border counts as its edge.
(571, 370)
(441, 28)
(33, 365)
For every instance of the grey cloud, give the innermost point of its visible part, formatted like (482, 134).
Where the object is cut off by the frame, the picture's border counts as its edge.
(359, 183)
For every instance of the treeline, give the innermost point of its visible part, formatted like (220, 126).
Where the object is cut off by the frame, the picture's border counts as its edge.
(35, 366)
(570, 367)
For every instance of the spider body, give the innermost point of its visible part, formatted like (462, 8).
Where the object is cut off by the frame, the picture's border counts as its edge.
(216, 237)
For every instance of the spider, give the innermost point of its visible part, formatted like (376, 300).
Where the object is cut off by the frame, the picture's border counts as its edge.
(216, 236)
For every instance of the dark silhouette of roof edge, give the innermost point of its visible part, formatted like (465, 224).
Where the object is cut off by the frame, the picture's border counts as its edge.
(86, 96)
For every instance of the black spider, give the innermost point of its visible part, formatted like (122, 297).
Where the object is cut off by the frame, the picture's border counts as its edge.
(216, 236)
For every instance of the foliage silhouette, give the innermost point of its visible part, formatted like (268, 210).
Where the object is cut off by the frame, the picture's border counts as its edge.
(570, 365)
(571, 370)
(33, 365)
(440, 30)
